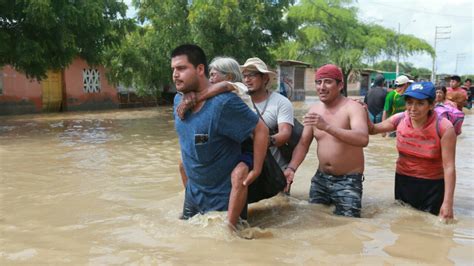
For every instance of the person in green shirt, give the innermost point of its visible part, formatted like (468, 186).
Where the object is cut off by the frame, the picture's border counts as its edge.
(394, 101)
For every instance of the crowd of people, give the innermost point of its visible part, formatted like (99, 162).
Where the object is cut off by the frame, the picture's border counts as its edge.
(229, 122)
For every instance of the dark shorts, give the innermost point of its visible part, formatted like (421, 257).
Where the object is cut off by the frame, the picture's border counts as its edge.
(247, 158)
(423, 194)
(344, 191)
(247, 153)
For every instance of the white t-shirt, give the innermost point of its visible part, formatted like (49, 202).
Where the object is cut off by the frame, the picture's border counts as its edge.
(278, 110)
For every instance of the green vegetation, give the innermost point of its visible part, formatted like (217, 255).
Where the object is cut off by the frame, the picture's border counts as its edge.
(404, 67)
(36, 36)
(241, 29)
(39, 35)
(330, 32)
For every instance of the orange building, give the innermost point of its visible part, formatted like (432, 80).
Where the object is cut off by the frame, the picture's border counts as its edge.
(78, 87)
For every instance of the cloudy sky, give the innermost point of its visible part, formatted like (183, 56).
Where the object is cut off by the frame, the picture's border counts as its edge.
(420, 18)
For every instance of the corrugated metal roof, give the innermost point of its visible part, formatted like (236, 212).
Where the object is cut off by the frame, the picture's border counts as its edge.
(284, 62)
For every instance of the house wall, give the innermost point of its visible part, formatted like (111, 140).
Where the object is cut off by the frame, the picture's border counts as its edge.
(76, 98)
(20, 95)
(309, 83)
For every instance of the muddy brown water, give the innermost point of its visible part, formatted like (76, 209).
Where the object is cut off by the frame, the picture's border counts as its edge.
(103, 188)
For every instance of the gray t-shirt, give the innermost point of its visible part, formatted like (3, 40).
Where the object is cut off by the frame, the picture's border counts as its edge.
(278, 110)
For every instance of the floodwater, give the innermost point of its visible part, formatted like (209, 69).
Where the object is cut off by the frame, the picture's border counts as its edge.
(103, 188)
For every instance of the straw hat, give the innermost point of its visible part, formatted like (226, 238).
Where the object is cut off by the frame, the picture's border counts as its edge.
(256, 64)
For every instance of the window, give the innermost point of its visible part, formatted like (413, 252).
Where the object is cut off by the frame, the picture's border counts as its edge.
(91, 80)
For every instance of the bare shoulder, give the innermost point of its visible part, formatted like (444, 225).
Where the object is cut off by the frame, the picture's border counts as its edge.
(353, 105)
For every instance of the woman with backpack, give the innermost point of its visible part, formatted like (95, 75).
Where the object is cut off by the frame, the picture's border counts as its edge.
(425, 172)
(441, 97)
(448, 109)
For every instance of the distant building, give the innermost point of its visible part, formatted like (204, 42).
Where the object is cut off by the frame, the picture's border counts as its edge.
(294, 78)
(77, 87)
(360, 81)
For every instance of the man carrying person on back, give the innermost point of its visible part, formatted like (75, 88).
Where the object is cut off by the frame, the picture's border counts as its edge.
(339, 126)
(210, 139)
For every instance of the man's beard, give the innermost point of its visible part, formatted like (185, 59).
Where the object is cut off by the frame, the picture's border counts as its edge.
(191, 87)
(250, 92)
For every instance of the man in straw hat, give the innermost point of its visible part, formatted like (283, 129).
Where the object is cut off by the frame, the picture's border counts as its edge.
(275, 109)
(340, 127)
(210, 139)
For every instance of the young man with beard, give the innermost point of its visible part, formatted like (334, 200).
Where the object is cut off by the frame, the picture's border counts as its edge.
(275, 109)
(210, 139)
(340, 127)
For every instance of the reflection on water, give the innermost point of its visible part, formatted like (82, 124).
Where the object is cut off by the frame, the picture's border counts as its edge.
(103, 188)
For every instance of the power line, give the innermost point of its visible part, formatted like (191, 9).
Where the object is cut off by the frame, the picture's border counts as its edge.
(420, 11)
(441, 33)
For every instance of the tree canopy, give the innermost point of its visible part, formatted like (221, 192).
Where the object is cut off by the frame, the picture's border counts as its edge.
(330, 32)
(405, 67)
(238, 28)
(36, 36)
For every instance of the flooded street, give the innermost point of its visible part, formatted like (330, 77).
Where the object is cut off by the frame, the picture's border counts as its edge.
(104, 188)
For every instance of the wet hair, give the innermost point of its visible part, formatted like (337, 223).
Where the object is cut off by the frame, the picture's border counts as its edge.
(441, 88)
(195, 54)
(227, 65)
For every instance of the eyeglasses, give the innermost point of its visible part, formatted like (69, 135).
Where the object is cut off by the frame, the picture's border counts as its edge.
(251, 75)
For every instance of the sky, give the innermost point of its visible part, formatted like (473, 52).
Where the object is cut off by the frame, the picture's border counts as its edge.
(420, 18)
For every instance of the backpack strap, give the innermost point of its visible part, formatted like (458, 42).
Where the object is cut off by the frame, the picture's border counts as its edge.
(438, 130)
(393, 101)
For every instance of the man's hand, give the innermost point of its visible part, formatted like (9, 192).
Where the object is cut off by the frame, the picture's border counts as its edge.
(187, 102)
(290, 175)
(314, 119)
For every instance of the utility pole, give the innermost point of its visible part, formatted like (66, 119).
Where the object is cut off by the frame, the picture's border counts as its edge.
(397, 69)
(441, 33)
(459, 57)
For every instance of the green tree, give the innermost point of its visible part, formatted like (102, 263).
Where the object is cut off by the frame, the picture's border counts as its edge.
(240, 29)
(142, 61)
(405, 67)
(330, 32)
(36, 36)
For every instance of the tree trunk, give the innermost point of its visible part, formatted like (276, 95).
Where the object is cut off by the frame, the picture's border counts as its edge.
(346, 79)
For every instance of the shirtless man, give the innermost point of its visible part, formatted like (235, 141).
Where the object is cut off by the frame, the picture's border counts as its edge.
(339, 126)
